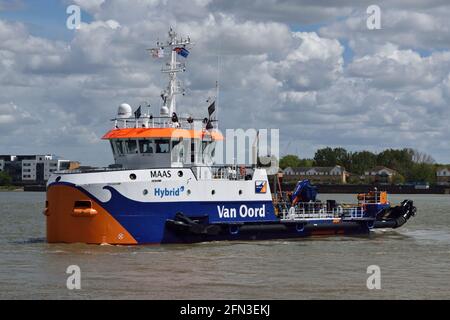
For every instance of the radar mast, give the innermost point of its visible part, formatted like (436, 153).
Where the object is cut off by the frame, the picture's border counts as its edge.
(177, 46)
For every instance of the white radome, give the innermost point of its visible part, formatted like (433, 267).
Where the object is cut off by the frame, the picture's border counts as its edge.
(164, 111)
(124, 111)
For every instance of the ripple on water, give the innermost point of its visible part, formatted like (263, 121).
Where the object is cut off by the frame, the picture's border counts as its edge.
(325, 267)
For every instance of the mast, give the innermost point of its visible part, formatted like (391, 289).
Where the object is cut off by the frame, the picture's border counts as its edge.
(172, 67)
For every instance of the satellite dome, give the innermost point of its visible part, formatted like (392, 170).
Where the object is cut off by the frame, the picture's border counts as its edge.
(124, 111)
(164, 111)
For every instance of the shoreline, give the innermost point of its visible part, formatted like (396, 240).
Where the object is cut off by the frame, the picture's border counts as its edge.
(288, 186)
(11, 189)
(354, 188)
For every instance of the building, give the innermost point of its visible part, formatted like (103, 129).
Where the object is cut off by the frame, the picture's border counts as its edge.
(33, 168)
(380, 174)
(321, 175)
(443, 176)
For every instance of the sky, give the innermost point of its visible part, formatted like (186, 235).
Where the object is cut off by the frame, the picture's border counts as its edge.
(310, 68)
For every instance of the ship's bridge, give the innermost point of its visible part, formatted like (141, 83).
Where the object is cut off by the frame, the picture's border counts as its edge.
(146, 141)
(157, 142)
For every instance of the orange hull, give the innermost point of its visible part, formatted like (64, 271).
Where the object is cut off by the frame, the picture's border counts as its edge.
(66, 223)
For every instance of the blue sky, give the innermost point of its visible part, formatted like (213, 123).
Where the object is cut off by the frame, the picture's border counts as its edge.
(336, 84)
(44, 18)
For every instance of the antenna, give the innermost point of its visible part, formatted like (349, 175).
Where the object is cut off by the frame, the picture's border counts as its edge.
(217, 90)
(172, 67)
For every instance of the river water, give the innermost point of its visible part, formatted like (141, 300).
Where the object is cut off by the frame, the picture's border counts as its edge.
(414, 262)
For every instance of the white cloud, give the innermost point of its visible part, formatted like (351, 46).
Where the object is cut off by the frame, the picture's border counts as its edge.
(389, 94)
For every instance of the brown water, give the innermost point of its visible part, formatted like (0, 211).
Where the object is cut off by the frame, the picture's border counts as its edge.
(414, 262)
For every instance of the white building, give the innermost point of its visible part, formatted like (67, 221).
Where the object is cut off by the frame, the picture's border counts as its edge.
(380, 174)
(336, 174)
(443, 176)
(41, 167)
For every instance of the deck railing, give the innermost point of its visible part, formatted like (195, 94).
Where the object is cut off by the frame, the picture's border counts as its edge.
(163, 122)
(319, 210)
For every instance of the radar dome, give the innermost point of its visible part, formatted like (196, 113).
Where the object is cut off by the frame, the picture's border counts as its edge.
(124, 111)
(164, 111)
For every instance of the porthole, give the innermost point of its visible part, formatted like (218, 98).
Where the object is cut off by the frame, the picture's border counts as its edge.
(240, 192)
(189, 192)
(58, 178)
(180, 173)
(145, 192)
(132, 176)
(213, 192)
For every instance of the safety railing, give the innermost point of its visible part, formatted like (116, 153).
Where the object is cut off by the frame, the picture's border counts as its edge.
(223, 172)
(164, 122)
(319, 210)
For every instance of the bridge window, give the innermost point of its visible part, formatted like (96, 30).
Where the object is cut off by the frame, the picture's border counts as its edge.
(131, 146)
(162, 146)
(146, 146)
(175, 142)
(119, 147)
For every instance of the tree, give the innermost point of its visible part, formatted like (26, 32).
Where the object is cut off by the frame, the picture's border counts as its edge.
(289, 160)
(362, 161)
(422, 172)
(398, 160)
(5, 179)
(421, 157)
(328, 157)
(398, 179)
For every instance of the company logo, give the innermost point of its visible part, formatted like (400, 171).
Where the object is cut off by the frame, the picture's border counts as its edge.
(244, 212)
(260, 186)
(168, 192)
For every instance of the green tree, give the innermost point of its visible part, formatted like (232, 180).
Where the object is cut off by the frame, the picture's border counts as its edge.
(362, 161)
(398, 179)
(328, 157)
(306, 163)
(399, 160)
(293, 161)
(5, 179)
(422, 172)
(289, 160)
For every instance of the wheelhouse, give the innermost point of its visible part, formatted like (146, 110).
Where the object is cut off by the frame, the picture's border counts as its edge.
(157, 147)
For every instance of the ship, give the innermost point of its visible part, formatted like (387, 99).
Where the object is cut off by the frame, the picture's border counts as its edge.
(162, 189)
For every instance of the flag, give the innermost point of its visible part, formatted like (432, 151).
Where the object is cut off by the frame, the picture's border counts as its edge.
(158, 53)
(212, 108)
(182, 51)
(137, 113)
